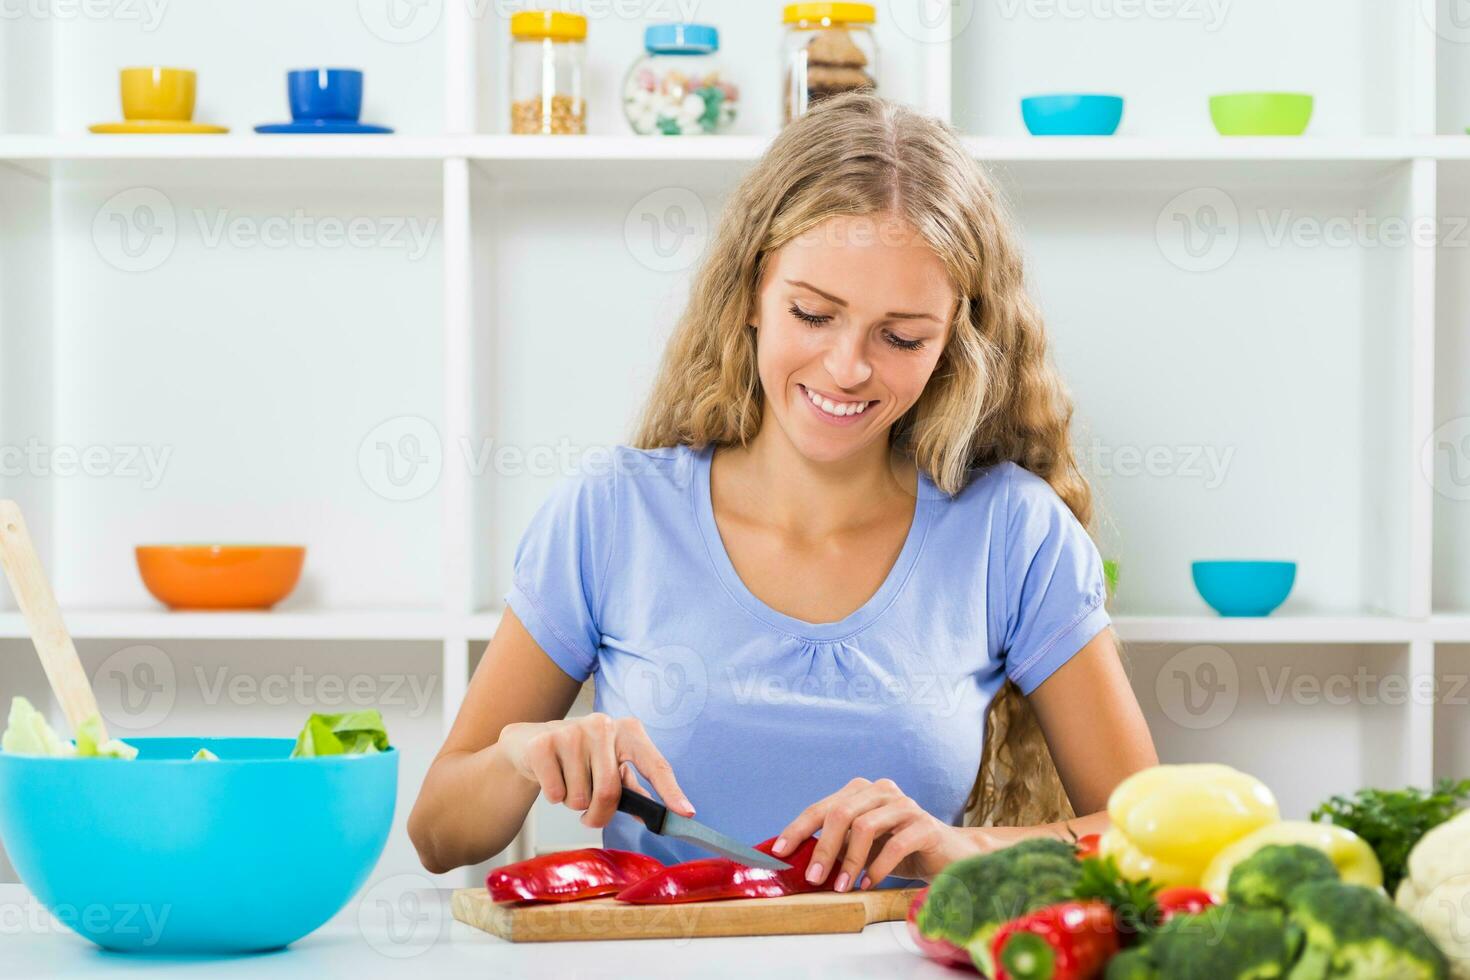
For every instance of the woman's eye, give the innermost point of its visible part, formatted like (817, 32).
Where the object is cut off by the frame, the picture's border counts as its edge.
(803, 315)
(903, 344)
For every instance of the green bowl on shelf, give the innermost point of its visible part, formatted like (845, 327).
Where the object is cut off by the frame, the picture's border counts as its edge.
(1261, 113)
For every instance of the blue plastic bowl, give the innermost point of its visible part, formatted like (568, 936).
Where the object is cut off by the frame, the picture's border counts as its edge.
(163, 854)
(1072, 114)
(1244, 588)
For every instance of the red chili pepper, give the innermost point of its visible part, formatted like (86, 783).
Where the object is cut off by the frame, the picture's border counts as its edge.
(1068, 941)
(566, 876)
(708, 879)
(1088, 845)
(1183, 900)
(938, 950)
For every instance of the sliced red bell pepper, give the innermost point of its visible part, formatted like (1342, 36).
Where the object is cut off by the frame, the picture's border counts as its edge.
(1067, 941)
(1088, 845)
(566, 876)
(938, 950)
(709, 879)
(1183, 900)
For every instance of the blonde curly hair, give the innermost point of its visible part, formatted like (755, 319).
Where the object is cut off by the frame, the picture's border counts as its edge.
(994, 394)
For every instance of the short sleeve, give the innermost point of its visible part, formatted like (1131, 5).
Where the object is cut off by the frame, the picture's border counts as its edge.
(560, 563)
(1053, 582)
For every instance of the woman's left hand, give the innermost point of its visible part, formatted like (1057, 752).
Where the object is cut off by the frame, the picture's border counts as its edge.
(874, 816)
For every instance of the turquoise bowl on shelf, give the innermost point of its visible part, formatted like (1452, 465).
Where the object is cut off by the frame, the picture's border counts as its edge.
(162, 854)
(1244, 588)
(1072, 114)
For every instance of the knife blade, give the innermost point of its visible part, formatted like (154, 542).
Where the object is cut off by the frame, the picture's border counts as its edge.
(660, 820)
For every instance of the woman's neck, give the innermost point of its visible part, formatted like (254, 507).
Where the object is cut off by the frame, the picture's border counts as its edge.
(788, 491)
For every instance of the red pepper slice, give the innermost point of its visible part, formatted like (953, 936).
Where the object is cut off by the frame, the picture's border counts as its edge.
(1067, 941)
(709, 879)
(1183, 900)
(938, 950)
(566, 876)
(1088, 845)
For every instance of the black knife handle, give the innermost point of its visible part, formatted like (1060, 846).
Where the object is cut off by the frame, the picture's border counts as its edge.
(650, 811)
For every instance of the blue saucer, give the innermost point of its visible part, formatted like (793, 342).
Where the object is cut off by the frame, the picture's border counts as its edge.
(321, 126)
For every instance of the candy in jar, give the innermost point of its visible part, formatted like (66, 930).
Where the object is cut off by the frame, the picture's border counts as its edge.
(678, 88)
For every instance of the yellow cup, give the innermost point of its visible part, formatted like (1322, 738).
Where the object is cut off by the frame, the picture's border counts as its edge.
(158, 93)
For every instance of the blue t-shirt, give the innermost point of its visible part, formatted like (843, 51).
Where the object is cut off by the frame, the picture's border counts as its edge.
(622, 571)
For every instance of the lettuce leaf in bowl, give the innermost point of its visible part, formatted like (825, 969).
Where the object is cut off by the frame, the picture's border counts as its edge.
(350, 733)
(27, 733)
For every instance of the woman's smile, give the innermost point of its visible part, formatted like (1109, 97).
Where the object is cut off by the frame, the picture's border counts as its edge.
(834, 411)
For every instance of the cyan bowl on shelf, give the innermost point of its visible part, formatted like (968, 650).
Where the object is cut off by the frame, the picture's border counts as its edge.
(1261, 113)
(162, 854)
(1072, 114)
(1244, 588)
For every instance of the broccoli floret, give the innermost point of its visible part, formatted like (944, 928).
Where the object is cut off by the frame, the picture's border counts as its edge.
(1266, 877)
(1224, 942)
(1131, 964)
(973, 896)
(1354, 933)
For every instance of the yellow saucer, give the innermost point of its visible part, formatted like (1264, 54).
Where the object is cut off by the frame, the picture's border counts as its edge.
(156, 126)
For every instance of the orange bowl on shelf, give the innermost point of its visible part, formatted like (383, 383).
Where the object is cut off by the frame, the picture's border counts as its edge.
(220, 576)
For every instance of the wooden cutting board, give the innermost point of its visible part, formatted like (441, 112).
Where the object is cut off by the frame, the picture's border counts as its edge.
(607, 918)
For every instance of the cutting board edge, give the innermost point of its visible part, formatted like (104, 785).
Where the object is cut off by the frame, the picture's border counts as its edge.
(807, 914)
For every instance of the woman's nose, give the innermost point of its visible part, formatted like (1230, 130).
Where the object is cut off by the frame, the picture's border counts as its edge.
(847, 362)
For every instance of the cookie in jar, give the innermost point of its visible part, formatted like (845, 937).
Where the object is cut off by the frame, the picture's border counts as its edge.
(827, 49)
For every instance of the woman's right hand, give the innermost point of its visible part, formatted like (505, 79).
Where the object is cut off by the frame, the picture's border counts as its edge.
(585, 762)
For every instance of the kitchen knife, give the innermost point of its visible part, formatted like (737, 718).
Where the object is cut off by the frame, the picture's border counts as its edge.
(660, 820)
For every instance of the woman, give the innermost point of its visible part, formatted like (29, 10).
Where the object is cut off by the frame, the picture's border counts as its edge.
(850, 528)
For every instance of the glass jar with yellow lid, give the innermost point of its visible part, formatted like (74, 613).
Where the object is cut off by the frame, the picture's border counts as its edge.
(547, 71)
(827, 48)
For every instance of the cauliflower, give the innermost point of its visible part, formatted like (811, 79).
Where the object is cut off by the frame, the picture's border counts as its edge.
(1436, 890)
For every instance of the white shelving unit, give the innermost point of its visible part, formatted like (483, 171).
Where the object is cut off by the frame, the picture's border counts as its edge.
(1266, 360)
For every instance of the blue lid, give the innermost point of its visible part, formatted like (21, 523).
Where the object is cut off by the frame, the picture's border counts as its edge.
(681, 39)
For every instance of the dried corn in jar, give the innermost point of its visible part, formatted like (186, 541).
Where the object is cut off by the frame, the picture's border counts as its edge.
(547, 72)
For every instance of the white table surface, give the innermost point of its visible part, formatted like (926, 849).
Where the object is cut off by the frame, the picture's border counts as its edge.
(395, 929)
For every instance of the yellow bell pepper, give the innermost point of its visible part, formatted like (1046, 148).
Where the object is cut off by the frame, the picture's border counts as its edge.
(1352, 855)
(1168, 822)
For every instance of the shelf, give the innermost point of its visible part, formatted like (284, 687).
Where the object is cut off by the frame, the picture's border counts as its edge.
(1268, 629)
(733, 148)
(160, 624)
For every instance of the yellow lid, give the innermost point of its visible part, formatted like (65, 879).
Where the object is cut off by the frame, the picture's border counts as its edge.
(553, 24)
(838, 13)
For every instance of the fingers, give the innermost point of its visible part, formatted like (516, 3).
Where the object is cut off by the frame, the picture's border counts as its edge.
(913, 836)
(861, 836)
(630, 778)
(607, 782)
(541, 759)
(856, 798)
(634, 745)
(576, 768)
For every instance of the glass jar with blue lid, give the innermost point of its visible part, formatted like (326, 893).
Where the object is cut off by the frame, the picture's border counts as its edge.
(677, 87)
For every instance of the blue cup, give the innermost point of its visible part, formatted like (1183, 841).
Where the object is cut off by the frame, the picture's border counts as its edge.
(325, 93)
